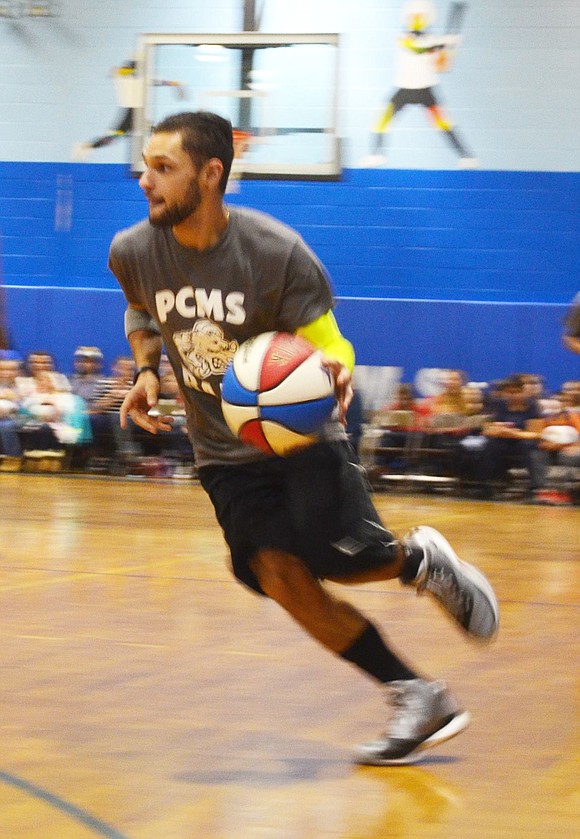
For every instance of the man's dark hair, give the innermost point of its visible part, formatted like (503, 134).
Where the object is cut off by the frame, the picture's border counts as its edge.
(203, 135)
(517, 381)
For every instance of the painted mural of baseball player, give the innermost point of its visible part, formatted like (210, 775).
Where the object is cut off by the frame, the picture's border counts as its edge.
(130, 94)
(421, 57)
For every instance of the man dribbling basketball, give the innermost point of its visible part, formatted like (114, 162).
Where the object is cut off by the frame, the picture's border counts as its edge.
(201, 279)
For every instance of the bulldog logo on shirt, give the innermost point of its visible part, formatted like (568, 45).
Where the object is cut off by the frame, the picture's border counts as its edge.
(205, 354)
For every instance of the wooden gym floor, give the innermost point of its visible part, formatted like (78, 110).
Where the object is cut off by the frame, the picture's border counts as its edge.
(146, 695)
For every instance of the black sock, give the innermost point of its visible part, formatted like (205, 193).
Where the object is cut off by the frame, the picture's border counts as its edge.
(371, 654)
(413, 559)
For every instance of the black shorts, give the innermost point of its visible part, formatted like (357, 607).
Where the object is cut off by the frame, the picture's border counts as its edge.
(411, 96)
(315, 505)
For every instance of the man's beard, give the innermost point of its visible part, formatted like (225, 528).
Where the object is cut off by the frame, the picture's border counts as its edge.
(178, 212)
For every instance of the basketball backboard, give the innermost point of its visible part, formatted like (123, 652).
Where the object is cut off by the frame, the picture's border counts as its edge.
(281, 90)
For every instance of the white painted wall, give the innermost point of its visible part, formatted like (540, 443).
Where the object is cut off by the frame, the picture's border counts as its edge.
(513, 91)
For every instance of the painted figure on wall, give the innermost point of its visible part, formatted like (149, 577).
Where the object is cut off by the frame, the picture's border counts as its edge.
(130, 93)
(421, 57)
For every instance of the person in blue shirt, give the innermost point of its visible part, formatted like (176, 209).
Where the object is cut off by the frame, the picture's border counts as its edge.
(512, 436)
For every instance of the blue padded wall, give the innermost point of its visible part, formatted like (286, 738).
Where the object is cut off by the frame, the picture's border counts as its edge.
(433, 268)
(487, 340)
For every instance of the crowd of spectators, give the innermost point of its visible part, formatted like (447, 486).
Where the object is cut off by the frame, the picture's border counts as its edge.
(56, 422)
(477, 432)
(480, 434)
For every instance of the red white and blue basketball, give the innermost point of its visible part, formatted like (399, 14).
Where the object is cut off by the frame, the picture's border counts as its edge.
(276, 393)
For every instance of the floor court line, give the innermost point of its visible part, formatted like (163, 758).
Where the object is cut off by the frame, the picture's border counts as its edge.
(99, 827)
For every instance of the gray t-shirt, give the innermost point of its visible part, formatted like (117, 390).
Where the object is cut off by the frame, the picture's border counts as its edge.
(260, 276)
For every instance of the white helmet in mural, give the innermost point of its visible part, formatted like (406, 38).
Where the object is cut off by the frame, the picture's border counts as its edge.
(418, 15)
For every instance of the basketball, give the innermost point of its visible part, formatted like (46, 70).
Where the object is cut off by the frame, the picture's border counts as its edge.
(276, 394)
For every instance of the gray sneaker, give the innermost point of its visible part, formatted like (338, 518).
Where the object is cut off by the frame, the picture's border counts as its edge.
(459, 587)
(424, 714)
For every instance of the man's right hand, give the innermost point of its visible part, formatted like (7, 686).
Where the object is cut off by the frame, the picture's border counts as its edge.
(141, 398)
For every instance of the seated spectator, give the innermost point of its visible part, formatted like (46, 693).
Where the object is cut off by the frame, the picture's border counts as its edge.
(560, 443)
(474, 406)
(512, 436)
(10, 419)
(111, 441)
(172, 449)
(401, 422)
(492, 397)
(571, 389)
(53, 417)
(450, 399)
(37, 363)
(550, 404)
(404, 413)
(88, 371)
(534, 388)
(472, 441)
(449, 422)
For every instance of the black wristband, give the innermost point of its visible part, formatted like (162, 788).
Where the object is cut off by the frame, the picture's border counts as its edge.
(142, 370)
